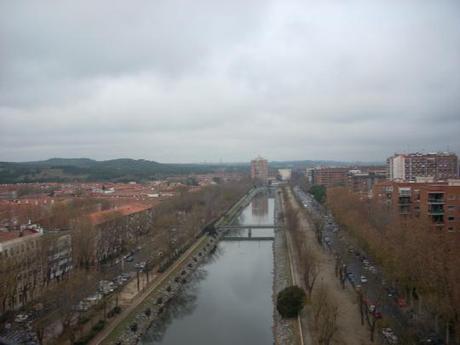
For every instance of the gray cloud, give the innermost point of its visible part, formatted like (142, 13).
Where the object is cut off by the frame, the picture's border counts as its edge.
(207, 80)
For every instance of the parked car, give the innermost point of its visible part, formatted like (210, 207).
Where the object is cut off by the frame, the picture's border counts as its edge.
(432, 339)
(106, 287)
(140, 265)
(402, 302)
(377, 314)
(389, 336)
(21, 317)
(82, 306)
(93, 298)
(391, 292)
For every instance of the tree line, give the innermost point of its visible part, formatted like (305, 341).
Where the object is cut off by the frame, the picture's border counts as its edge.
(421, 261)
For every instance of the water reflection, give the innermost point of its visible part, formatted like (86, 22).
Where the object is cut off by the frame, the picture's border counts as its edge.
(260, 206)
(228, 299)
(182, 305)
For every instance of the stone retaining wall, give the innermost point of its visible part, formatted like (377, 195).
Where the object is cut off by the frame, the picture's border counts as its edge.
(284, 331)
(155, 304)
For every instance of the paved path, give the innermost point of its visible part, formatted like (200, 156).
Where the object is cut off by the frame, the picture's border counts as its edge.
(350, 331)
(304, 332)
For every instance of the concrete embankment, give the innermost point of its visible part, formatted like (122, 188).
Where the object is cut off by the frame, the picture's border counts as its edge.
(134, 326)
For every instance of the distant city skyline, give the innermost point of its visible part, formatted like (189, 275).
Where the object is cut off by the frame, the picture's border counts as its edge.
(174, 81)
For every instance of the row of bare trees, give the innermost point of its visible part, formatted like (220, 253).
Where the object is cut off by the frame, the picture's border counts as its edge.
(423, 262)
(324, 307)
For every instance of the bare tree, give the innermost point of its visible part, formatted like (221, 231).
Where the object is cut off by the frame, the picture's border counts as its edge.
(310, 267)
(84, 241)
(325, 316)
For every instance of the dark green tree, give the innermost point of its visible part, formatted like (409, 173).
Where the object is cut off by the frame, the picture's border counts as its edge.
(319, 193)
(290, 301)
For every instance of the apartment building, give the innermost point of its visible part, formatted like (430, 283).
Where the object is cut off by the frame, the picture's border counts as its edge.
(329, 177)
(259, 170)
(359, 181)
(438, 201)
(31, 259)
(21, 273)
(415, 166)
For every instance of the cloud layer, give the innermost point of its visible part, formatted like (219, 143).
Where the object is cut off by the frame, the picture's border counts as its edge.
(181, 81)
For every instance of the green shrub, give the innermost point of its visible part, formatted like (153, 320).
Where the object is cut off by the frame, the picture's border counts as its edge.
(290, 301)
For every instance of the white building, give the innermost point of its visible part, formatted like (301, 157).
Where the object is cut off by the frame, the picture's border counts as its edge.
(285, 174)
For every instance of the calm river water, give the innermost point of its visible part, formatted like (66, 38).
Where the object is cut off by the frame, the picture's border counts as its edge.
(229, 299)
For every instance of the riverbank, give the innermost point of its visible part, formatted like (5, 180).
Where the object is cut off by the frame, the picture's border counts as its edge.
(285, 331)
(128, 327)
(139, 317)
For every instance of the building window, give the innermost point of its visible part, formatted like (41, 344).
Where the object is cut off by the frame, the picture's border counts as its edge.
(450, 229)
(451, 207)
(451, 197)
(451, 218)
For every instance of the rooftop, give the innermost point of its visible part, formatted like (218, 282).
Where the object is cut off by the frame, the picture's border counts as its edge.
(125, 210)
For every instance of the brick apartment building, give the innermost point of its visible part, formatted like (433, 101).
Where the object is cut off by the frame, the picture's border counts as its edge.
(259, 170)
(358, 179)
(412, 166)
(329, 177)
(438, 201)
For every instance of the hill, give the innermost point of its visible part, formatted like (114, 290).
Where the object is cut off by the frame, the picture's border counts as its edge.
(85, 169)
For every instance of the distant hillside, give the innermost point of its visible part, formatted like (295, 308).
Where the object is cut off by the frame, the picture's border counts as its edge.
(125, 169)
(84, 169)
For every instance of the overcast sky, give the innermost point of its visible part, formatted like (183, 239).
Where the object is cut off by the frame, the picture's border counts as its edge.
(209, 80)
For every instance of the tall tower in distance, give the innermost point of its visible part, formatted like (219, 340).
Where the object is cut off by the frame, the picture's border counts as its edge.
(259, 170)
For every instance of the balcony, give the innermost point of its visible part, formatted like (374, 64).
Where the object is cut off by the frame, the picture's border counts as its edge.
(404, 200)
(436, 210)
(436, 213)
(437, 219)
(436, 198)
(435, 201)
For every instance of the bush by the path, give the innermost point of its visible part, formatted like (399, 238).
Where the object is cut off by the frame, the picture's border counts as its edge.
(290, 301)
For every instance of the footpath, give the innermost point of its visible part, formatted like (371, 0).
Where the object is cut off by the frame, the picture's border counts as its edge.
(349, 328)
(285, 331)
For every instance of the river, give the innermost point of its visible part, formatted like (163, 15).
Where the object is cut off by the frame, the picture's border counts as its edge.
(229, 298)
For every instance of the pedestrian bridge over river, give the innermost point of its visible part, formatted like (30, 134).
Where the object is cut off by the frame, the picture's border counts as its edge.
(247, 236)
